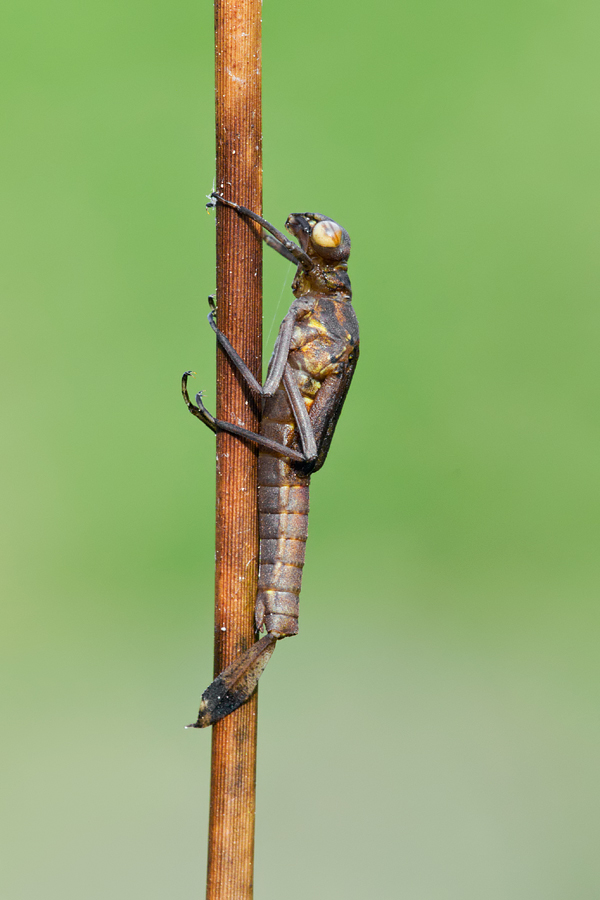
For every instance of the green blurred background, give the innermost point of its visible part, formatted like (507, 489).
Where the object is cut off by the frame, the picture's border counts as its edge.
(433, 733)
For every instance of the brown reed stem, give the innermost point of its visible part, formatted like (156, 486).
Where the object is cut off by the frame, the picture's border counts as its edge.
(239, 296)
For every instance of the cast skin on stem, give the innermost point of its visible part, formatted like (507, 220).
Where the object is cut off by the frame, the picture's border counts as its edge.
(309, 375)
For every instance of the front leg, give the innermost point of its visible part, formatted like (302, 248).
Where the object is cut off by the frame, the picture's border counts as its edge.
(275, 239)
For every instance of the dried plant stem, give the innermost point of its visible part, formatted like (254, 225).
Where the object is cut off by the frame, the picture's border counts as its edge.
(239, 292)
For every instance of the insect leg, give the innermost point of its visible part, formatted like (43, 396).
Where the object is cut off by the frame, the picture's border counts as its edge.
(298, 255)
(217, 425)
(199, 411)
(305, 428)
(235, 358)
(279, 248)
(278, 360)
(281, 352)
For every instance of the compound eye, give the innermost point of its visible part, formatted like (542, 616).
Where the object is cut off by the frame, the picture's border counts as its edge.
(327, 234)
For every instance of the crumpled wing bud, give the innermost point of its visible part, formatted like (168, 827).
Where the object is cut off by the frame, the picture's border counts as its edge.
(236, 683)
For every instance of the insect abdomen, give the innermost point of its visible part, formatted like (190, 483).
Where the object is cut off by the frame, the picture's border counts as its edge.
(283, 526)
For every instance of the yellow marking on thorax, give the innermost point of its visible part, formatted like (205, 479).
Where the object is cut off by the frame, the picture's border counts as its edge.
(318, 326)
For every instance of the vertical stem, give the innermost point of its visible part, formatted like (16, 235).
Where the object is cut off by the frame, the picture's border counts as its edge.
(239, 294)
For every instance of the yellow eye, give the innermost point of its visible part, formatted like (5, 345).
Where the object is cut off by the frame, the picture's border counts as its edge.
(327, 234)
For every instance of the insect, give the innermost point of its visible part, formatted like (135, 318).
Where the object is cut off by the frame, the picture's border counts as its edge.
(307, 381)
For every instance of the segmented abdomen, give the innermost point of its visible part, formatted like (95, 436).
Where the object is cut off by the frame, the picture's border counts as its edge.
(283, 524)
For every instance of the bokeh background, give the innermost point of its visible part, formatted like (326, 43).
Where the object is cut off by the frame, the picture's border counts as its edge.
(433, 734)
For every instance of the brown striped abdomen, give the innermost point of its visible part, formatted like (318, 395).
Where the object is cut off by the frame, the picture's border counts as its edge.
(283, 525)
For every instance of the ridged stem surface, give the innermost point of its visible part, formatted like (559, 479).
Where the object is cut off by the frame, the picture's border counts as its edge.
(239, 316)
